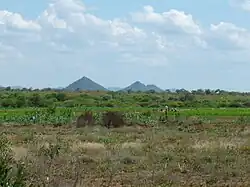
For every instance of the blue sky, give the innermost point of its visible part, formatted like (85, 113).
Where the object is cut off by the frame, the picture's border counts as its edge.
(174, 44)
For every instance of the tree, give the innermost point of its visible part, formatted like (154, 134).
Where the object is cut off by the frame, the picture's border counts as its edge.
(208, 92)
(61, 96)
(35, 100)
(7, 102)
(129, 91)
(187, 97)
(20, 101)
(8, 88)
(151, 91)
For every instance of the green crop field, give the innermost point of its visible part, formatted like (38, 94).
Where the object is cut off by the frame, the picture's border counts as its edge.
(67, 115)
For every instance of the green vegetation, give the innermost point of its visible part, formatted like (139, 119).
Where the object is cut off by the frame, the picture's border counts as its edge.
(180, 99)
(60, 116)
(205, 143)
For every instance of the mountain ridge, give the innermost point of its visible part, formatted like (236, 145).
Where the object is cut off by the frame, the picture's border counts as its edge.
(139, 86)
(85, 84)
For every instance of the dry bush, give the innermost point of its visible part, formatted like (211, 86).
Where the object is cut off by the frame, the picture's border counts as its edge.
(113, 119)
(85, 119)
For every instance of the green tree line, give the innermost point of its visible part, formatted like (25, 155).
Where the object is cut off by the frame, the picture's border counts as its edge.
(180, 98)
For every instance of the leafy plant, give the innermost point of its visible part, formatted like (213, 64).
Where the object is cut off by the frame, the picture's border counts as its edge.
(12, 173)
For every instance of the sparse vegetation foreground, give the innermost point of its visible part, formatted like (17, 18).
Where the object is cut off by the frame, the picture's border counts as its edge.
(87, 144)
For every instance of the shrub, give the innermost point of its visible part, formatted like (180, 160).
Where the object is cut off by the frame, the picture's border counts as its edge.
(114, 119)
(85, 119)
(12, 173)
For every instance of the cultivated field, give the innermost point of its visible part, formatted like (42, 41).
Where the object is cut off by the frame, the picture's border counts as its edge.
(197, 147)
(53, 115)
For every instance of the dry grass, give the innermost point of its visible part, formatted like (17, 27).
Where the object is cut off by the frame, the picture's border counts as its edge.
(20, 152)
(131, 156)
(221, 143)
(132, 145)
(88, 146)
(246, 131)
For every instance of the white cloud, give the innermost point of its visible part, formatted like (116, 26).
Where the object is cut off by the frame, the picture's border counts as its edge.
(231, 34)
(66, 22)
(243, 4)
(66, 42)
(172, 18)
(16, 21)
(176, 26)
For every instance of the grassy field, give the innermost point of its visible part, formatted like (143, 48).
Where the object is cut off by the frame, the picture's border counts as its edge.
(62, 116)
(171, 154)
(200, 147)
(183, 111)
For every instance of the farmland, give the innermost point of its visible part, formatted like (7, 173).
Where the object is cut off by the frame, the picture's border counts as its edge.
(201, 145)
(68, 115)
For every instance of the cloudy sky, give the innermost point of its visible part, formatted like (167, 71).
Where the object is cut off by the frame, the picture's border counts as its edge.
(174, 44)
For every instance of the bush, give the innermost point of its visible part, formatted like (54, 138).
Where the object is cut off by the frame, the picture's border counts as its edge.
(85, 119)
(246, 104)
(12, 173)
(114, 119)
(235, 105)
(7, 103)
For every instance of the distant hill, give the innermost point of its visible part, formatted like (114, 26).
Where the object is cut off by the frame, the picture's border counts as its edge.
(155, 88)
(138, 86)
(85, 84)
